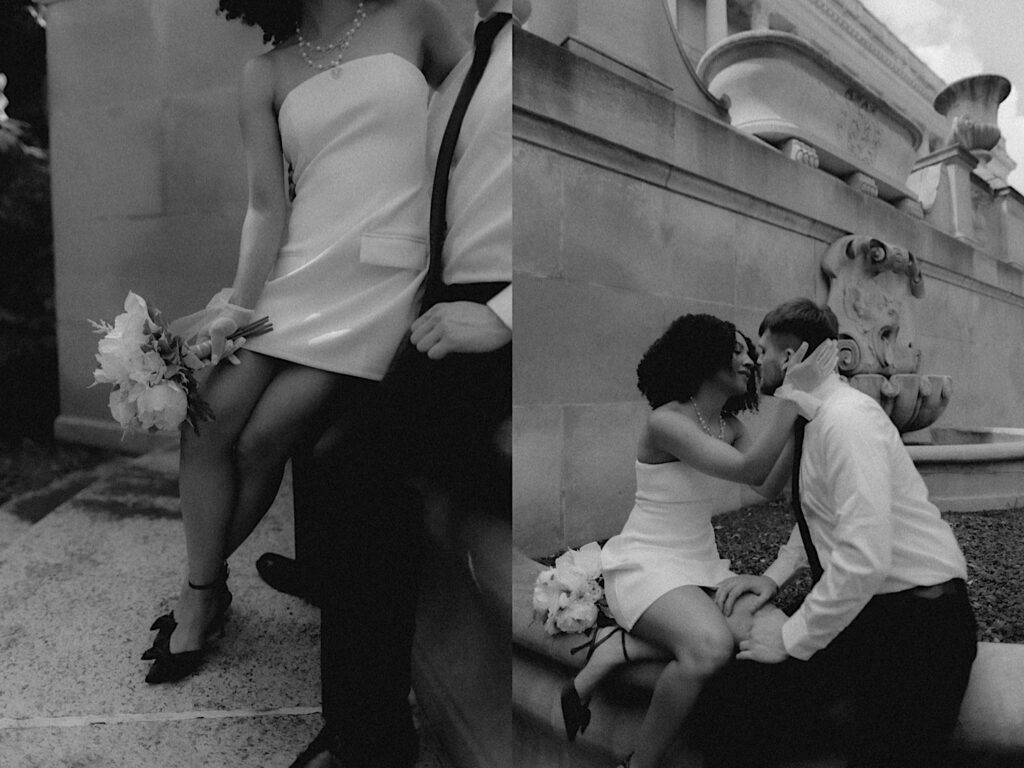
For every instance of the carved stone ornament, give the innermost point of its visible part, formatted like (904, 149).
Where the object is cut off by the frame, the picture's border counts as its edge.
(872, 285)
(782, 87)
(971, 105)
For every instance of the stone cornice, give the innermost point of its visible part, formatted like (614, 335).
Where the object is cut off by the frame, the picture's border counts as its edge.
(871, 37)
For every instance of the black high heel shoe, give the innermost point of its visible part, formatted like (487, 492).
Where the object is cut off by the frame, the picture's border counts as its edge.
(576, 714)
(165, 624)
(170, 667)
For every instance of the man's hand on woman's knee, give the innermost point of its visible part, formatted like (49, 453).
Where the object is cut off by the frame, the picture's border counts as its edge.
(728, 591)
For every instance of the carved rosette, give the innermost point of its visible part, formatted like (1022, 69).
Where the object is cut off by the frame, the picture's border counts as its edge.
(872, 285)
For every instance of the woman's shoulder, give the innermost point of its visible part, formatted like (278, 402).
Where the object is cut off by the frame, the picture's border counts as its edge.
(262, 67)
(274, 58)
(669, 413)
(669, 421)
(266, 73)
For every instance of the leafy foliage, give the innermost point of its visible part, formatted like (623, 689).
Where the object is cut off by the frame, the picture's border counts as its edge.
(27, 335)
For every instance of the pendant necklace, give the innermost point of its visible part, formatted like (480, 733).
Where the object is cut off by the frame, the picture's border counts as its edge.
(341, 43)
(704, 424)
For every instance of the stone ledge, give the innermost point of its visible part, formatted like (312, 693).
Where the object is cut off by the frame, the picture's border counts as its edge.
(991, 718)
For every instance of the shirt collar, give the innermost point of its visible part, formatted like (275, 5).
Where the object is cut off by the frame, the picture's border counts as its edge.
(503, 6)
(828, 387)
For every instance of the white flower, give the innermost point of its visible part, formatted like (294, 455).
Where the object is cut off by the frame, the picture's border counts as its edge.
(546, 591)
(577, 617)
(592, 591)
(122, 406)
(120, 350)
(565, 597)
(150, 368)
(575, 568)
(162, 406)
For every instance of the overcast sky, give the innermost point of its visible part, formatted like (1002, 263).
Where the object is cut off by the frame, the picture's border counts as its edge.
(959, 38)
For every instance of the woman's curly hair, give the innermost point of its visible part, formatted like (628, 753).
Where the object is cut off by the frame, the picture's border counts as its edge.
(277, 18)
(691, 351)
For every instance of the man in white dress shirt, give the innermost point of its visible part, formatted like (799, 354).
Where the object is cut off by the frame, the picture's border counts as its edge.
(441, 414)
(888, 625)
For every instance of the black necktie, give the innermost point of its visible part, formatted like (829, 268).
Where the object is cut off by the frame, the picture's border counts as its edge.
(798, 512)
(483, 39)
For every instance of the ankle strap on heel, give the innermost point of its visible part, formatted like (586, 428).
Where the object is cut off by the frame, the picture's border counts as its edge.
(221, 579)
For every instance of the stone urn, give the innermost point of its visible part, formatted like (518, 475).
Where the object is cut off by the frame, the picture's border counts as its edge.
(787, 92)
(972, 105)
(872, 285)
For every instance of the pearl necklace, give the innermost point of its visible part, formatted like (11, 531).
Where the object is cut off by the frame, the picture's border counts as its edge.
(704, 424)
(342, 43)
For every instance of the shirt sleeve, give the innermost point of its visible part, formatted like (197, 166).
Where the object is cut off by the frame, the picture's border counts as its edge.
(859, 479)
(791, 559)
(501, 305)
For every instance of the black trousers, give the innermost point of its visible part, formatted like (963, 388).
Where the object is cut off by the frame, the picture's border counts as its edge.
(361, 525)
(893, 680)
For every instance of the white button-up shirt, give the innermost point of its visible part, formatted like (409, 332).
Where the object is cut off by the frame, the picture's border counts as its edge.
(869, 516)
(478, 248)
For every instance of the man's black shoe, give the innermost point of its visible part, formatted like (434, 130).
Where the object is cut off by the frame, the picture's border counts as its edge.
(321, 751)
(286, 575)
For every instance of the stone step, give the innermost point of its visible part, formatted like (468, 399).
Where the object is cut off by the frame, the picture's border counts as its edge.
(78, 592)
(20, 513)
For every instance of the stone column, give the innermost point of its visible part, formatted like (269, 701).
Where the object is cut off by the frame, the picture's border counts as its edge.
(942, 182)
(716, 25)
(1011, 209)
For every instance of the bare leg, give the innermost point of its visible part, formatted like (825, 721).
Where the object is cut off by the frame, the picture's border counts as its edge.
(207, 485)
(290, 409)
(609, 655)
(742, 620)
(688, 623)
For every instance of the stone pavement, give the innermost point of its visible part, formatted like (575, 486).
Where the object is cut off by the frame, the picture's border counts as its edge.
(78, 591)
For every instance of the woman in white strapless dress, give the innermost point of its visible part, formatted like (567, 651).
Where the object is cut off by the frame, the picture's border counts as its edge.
(333, 251)
(660, 572)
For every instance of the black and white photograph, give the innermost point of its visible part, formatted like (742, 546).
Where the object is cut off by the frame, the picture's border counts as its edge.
(281, 485)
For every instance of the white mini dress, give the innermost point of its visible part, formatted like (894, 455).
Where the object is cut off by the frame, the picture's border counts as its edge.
(343, 290)
(668, 540)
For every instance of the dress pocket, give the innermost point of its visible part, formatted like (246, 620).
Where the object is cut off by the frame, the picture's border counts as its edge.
(396, 251)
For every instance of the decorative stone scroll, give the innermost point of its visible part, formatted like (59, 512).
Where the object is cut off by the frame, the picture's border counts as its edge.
(871, 288)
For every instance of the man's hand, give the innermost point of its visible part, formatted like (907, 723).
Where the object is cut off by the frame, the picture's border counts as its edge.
(765, 643)
(459, 326)
(728, 590)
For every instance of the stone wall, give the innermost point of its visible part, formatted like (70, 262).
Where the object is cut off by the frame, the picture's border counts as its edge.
(632, 208)
(148, 172)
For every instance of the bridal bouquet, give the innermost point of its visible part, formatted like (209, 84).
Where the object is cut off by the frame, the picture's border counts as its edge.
(152, 370)
(570, 597)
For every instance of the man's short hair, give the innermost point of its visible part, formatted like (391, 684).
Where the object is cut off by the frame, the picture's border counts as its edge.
(802, 319)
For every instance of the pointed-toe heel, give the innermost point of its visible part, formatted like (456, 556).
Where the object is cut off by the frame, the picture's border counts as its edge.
(170, 667)
(575, 714)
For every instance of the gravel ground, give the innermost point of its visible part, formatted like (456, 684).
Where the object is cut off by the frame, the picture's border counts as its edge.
(991, 541)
